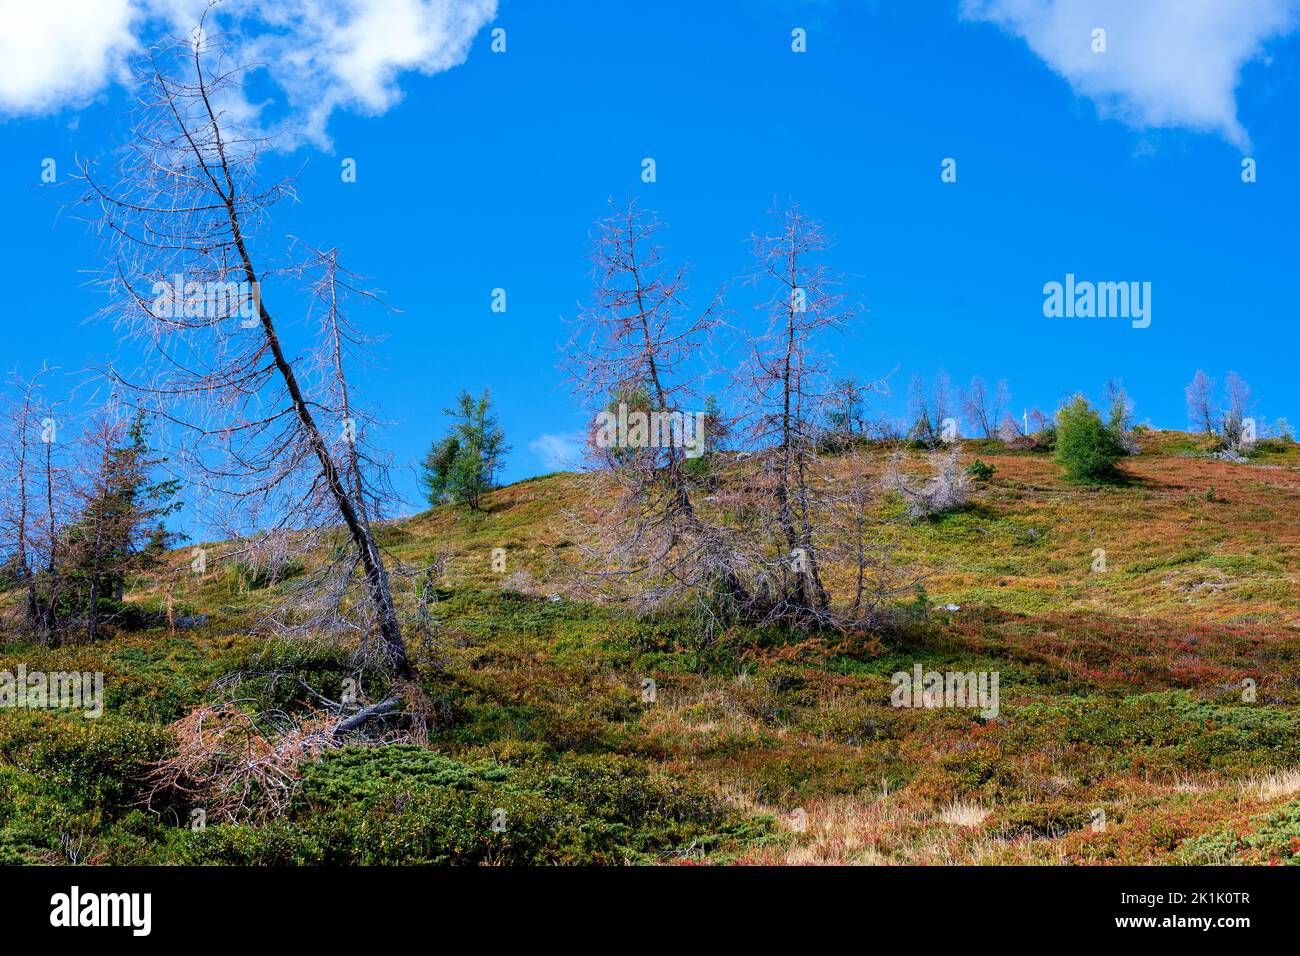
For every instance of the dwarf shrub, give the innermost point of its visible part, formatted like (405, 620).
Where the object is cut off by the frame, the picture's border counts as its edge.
(1085, 447)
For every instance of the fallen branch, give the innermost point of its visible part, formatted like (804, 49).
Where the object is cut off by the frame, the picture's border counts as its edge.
(385, 706)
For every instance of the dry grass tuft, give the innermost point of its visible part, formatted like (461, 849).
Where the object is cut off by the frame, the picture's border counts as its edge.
(1273, 786)
(963, 814)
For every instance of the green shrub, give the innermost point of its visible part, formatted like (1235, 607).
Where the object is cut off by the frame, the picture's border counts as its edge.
(363, 775)
(408, 805)
(1085, 447)
(1276, 841)
(980, 470)
(292, 673)
(82, 763)
(275, 844)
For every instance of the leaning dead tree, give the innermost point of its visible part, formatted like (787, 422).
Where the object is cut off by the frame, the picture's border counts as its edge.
(269, 435)
(363, 469)
(634, 358)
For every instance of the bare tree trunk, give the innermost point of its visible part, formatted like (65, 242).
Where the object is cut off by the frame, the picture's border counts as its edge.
(377, 583)
(176, 208)
(792, 457)
(49, 613)
(24, 425)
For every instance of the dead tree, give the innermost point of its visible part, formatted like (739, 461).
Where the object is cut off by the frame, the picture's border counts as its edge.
(40, 476)
(1199, 393)
(53, 490)
(783, 394)
(929, 410)
(341, 344)
(947, 487)
(1011, 429)
(20, 517)
(1237, 396)
(181, 213)
(635, 351)
(982, 410)
(846, 411)
(867, 545)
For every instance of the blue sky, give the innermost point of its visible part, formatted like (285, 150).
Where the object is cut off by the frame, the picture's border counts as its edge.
(478, 170)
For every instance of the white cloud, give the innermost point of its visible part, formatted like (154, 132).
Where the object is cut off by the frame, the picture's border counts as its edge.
(60, 52)
(558, 452)
(1168, 63)
(321, 55)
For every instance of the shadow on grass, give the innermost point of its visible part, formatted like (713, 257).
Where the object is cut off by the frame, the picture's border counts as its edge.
(1115, 478)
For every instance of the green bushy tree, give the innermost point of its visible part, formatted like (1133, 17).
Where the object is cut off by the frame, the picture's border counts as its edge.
(464, 464)
(1085, 446)
(435, 473)
(120, 527)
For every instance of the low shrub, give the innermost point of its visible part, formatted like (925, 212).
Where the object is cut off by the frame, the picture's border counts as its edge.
(1085, 447)
(84, 764)
(405, 804)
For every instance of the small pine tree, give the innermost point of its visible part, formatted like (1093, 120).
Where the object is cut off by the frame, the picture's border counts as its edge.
(716, 431)
(120, 528)
(435, 472)
(1085, 447)
(464, 465)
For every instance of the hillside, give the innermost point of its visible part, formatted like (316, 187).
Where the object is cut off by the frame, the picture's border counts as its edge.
(1121, 692)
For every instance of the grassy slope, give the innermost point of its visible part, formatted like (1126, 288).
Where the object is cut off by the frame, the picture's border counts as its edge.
(1119, 690)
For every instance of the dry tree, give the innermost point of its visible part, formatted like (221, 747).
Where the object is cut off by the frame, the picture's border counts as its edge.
(946, 488)
(36, 466)
(18, 518)
(266, 435)
(1011, 429)
(1237, 435)
(635, 351)
(783, 392)
(240, 767)
(846, 412)
(864, 544)
(983, 411)
(930, 411)
(1200, 397)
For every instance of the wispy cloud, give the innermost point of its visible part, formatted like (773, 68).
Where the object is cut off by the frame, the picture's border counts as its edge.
(559, 451)
(1168, 63)
(321, 55)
